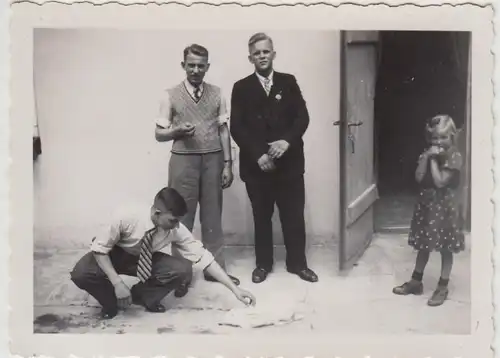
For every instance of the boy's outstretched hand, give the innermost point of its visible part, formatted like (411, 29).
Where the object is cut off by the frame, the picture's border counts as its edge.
(244, 296)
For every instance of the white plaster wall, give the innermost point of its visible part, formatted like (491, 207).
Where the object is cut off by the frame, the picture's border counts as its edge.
(96, 95)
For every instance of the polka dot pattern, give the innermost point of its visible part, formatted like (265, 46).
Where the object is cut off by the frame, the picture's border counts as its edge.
(436, 223)
(453, 160)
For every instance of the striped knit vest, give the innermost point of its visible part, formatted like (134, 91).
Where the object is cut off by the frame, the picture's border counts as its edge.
(203, 114)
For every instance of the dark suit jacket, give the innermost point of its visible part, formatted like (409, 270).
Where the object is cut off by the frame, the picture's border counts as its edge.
(258, 119)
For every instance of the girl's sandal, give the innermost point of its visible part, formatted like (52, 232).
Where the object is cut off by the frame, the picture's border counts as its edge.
(409, 288)
(438, 297)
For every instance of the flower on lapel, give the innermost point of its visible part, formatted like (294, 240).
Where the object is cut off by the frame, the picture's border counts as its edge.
(278, 96)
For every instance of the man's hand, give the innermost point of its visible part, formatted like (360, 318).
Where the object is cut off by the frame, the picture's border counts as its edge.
(123, 295)
(227, 176)
(278, 148)
(244, 296)
(184, 130)
(266, 163)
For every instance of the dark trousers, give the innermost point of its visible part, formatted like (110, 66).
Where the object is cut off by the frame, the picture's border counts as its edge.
(289, 196)
(167, 273)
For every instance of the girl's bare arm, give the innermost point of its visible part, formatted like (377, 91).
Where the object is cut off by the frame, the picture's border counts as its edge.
(441, 177)
(422, 167)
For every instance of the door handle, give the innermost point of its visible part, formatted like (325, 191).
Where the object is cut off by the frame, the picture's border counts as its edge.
(355, 124)
(352, 124)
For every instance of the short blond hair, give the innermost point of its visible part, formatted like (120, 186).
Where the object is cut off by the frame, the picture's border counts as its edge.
(441, 123)
(259, 36)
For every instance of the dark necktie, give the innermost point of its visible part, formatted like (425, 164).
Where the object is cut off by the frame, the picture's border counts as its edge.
(197, 93)
(145, 264)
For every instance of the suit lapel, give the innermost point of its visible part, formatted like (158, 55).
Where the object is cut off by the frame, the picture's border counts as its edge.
(265, 103)
(257, 87)
(275, 89)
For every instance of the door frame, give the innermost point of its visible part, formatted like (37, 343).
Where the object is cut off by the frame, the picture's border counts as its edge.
(342, 123)
(359, 38)
(466, 210)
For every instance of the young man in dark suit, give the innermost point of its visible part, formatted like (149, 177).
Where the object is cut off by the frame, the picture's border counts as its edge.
(268, 119)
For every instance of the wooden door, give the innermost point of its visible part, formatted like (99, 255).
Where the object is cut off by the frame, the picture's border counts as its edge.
(358, 185)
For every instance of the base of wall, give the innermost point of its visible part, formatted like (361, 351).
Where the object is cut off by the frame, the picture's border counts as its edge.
(71, 238)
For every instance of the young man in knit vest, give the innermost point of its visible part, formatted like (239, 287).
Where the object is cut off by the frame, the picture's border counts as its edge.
(193, 115)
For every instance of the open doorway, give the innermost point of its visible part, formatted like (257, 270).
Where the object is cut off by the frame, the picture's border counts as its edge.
(420, 74)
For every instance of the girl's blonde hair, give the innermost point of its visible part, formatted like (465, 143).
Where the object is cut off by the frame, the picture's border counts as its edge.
(441, 123)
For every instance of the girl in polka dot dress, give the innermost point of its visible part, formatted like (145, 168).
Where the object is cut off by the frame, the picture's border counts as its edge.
(436, 222)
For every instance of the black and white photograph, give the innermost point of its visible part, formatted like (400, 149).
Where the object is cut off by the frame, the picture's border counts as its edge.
(224, 148)
(258, 181)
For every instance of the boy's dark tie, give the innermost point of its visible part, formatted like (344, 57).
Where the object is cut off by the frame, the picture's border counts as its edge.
(145, 264)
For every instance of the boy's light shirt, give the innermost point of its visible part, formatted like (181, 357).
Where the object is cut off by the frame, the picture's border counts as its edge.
(128, 226)
(262, 79)
(164, 119)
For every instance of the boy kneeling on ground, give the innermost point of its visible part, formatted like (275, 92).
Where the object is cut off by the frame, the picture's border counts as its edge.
(132, 245)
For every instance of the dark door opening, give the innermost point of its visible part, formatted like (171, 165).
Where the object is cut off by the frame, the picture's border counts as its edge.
(420, 74)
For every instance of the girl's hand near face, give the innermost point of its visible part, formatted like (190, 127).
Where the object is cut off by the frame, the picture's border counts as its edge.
(423, 157)
(433, 151)
(426, 155)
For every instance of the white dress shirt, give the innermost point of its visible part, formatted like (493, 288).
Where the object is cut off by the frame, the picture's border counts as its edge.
(262, 80)
(190, 88)
(127, 229)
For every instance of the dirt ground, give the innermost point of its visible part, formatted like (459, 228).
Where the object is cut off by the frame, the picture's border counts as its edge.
(360, 301)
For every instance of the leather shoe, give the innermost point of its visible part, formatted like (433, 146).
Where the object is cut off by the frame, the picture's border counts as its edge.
(212, 279)
(182, 290)
(108, 313)
(157, 308)
(259, 275)
(306, 274)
